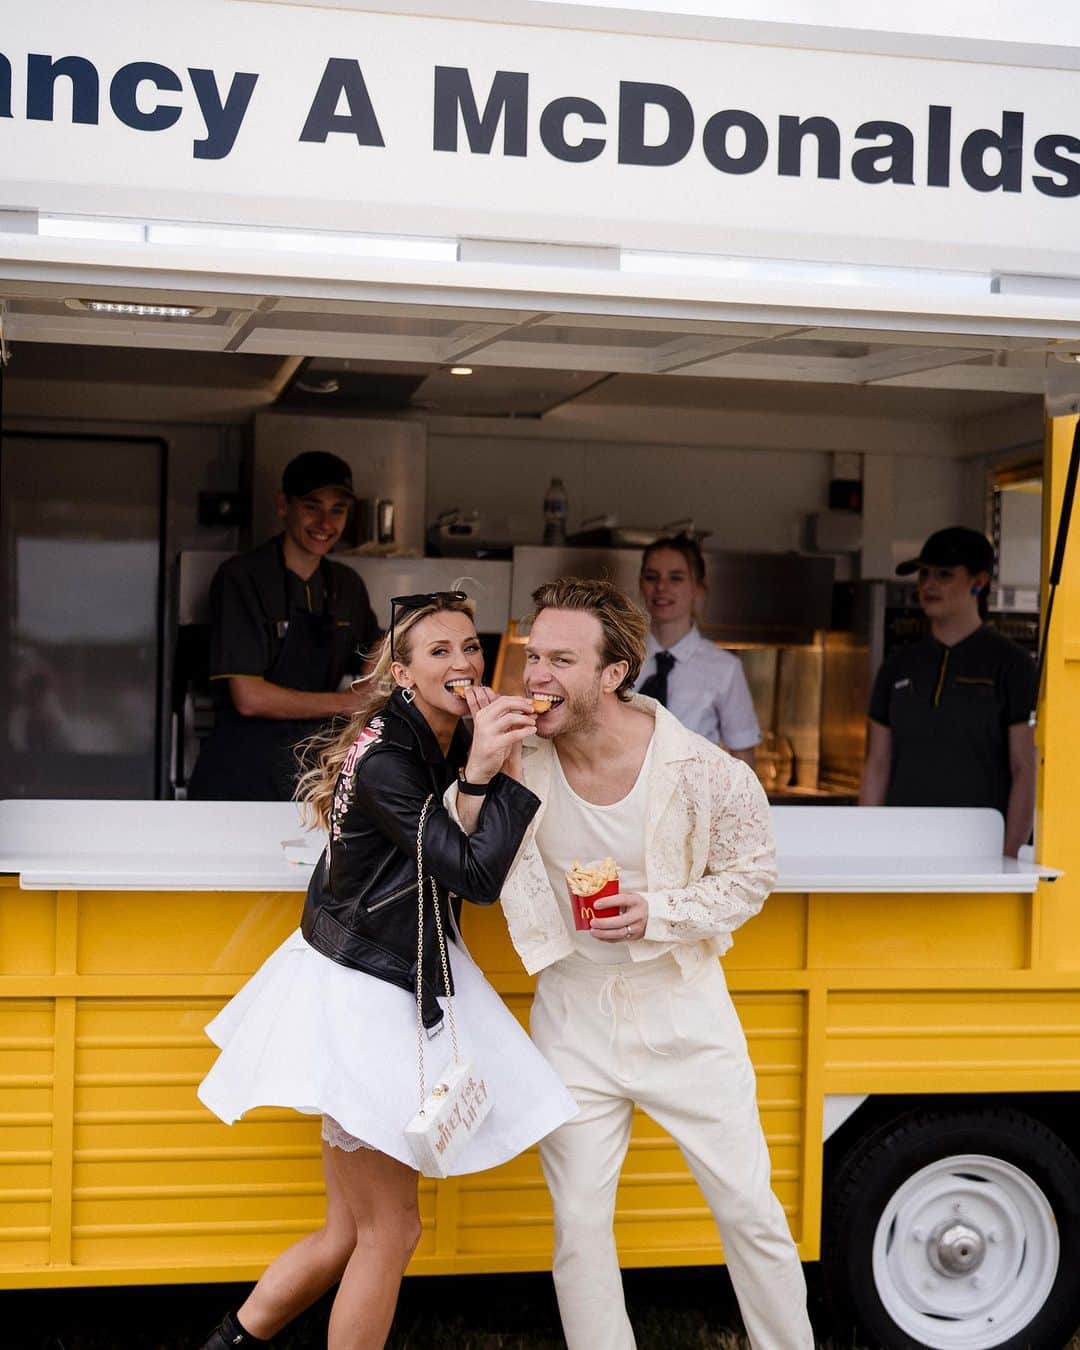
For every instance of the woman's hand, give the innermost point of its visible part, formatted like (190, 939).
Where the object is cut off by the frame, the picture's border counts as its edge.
(626, 926)
(500, 723)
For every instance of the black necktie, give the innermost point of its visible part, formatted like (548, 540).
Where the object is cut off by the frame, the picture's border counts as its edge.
(656, 685)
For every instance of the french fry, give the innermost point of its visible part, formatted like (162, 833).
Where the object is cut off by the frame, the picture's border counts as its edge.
(588, 878)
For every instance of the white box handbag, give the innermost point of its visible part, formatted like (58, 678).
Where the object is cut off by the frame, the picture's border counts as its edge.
(459, 1102)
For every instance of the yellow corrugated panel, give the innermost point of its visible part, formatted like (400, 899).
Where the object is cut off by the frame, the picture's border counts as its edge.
(113, 1172)
(948, 1041)
(504, 1212)
(26, 1103)
(149, 1186)
(775, 940)
(1057, 913)
(135, 1181)
(27, 930)
(187, 933)
(924, 932)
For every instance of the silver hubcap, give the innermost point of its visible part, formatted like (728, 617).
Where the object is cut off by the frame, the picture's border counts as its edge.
(965, 1253)
(956, 1248)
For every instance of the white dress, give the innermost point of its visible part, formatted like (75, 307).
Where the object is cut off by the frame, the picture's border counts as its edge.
(308, 1033)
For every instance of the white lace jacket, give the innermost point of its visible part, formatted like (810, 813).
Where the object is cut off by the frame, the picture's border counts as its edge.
(709, 854)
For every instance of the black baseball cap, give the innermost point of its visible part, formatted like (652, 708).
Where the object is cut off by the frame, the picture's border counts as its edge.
(953, 547)
(316, 469)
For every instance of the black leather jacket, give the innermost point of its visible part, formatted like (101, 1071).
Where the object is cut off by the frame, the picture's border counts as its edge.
(361, 907)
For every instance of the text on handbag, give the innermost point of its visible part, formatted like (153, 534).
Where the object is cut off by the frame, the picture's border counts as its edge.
(466, 1114)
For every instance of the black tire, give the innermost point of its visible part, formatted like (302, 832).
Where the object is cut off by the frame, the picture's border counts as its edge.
(947, 1158)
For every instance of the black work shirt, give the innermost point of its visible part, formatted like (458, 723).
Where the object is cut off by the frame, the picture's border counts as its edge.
(949, 710)
(250, 601)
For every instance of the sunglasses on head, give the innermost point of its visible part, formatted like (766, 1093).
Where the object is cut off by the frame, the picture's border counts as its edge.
(407, 603)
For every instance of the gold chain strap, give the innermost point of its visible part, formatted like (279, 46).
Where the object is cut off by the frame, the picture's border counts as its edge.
(420, 954)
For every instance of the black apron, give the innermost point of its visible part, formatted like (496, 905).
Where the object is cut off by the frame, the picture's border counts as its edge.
(253, 759)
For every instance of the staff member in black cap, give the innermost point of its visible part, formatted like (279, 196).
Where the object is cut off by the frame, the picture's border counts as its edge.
(949, 714)
(288, 626)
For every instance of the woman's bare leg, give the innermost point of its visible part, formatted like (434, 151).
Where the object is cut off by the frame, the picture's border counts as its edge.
(307, 1269)
(381, 1195)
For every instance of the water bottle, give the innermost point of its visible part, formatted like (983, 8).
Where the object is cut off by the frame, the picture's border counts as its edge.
(555, 513)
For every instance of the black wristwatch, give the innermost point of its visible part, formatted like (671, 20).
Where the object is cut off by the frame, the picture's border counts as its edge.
(471, 789)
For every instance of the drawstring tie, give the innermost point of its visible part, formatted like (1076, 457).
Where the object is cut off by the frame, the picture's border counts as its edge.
(617, 986)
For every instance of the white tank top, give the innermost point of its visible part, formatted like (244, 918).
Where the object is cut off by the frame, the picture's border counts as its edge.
(574, 830)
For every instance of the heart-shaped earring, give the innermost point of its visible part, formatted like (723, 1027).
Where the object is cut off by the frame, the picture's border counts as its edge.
(407, 693)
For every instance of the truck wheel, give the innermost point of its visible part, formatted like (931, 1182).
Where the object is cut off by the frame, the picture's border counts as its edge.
(956, 1230)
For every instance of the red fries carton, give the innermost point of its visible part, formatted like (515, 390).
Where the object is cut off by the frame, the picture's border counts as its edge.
(589, 884)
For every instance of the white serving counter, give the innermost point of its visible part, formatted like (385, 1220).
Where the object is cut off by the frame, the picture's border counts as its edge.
(262, 846)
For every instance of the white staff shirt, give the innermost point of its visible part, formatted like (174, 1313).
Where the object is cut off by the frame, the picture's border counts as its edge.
(707, 690)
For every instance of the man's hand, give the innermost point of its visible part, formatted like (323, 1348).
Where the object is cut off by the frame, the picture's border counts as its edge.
(252, 696)
(500, 723)
(626, 926)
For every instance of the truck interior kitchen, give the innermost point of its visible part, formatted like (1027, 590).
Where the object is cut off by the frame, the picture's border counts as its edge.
(144, 436)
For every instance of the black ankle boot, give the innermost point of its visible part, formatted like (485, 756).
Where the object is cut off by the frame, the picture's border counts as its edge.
(232, 1336)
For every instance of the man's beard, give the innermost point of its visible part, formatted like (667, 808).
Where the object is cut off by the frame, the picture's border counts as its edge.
(581, 715)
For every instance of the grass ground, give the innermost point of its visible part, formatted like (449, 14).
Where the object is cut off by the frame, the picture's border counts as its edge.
(671, 1310)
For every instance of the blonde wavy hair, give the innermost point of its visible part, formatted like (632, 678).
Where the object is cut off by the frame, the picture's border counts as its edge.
(322, 756)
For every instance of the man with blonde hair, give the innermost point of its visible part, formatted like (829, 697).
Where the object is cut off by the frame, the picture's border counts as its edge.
(635, 1011)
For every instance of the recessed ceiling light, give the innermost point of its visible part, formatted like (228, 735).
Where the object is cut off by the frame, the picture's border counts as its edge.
(327, 386)
(143, 311)
(133, 310)
(461, 370)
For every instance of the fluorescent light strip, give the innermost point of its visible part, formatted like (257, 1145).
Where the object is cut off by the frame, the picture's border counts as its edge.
(241, 236)
(88, 227)
(294, 241)
(640, 262)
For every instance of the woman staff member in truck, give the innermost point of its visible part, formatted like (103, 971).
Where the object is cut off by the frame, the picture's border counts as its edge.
(703, 686)
(288, 626)
(329, 1024)
(949, 714)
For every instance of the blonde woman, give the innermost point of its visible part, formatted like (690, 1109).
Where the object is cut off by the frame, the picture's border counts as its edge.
(328, 1025)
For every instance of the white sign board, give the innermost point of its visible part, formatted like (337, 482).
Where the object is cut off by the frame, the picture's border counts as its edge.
(256, 113)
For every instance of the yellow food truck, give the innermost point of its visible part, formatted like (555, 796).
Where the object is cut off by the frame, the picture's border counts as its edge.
(815, 286)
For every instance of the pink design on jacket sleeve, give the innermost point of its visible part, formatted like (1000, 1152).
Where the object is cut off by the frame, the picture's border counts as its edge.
(343, 791)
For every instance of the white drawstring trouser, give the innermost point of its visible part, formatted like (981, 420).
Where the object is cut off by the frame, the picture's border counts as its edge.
(643, 1035)
(617, 986)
